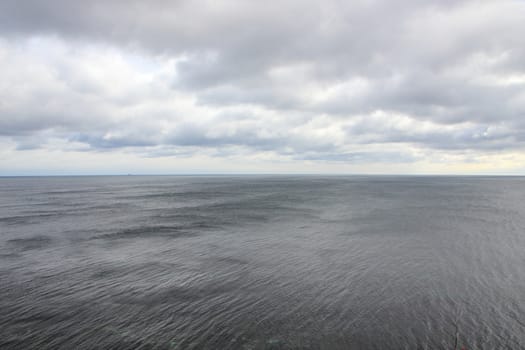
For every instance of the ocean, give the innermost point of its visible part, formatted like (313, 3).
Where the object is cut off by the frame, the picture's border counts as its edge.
(262, 262)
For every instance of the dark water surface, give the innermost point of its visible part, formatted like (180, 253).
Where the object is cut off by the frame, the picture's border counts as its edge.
(262, 262)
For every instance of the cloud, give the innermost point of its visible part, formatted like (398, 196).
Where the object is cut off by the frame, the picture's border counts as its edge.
(336, 81)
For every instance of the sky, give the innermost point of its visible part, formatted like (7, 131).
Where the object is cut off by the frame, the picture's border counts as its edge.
(184, 87)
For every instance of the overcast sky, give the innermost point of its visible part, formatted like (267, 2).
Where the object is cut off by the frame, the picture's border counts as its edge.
(363, 86)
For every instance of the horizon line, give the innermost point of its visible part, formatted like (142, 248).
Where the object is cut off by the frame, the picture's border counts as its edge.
(269, 174)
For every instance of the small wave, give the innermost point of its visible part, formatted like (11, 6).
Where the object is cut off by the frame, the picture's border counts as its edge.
(177, 231)
(31, 243)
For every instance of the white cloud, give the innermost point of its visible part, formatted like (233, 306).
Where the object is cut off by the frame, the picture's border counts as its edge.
(367, 86)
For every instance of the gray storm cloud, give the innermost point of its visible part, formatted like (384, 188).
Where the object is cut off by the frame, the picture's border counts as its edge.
(332, 80)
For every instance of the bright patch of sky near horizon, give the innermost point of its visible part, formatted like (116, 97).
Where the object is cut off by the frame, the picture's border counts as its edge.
(369, 86)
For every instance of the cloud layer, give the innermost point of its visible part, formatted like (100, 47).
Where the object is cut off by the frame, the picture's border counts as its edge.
(305, 82)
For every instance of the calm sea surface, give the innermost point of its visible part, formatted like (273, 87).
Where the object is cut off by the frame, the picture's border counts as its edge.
(248, 262)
